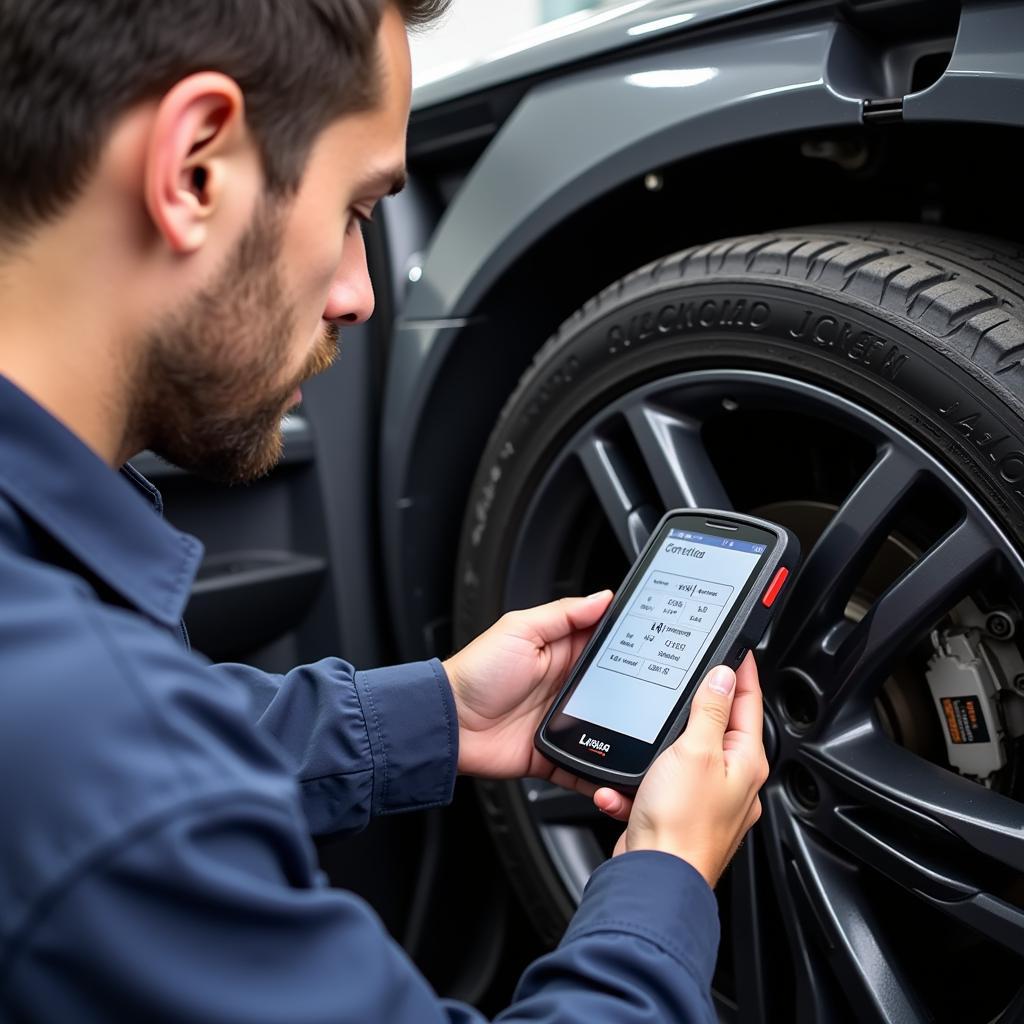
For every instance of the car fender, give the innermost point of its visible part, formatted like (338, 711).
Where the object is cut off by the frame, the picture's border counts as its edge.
(574, 138)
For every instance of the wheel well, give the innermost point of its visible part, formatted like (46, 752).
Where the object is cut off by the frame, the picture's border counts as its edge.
(895, 172)
(886, 172)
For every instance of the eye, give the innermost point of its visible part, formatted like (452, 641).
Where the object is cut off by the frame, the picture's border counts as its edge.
(358, 217)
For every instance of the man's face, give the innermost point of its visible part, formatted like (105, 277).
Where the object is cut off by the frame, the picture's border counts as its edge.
(218, 376)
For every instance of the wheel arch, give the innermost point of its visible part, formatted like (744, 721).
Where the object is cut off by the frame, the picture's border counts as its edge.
(470, 327)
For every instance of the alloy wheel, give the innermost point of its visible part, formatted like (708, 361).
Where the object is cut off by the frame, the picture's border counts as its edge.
(880, 884)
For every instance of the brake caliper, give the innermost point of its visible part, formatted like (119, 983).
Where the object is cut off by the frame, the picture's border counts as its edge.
(966, 680)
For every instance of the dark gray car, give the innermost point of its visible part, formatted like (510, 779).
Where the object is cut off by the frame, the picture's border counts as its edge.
(727, 253)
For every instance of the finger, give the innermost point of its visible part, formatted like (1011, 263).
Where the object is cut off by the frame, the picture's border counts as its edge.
(748, 705)
(565, 652)
(552, 621)
(711, 708)
(565, 780)
(580, 639)
(744, 743)
(613, 803)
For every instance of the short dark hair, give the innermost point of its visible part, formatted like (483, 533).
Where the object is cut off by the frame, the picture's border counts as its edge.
(70, 68)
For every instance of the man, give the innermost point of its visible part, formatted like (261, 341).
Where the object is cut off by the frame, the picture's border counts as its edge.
(181, 185)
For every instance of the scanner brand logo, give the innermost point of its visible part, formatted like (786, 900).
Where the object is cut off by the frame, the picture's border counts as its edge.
(595, 745)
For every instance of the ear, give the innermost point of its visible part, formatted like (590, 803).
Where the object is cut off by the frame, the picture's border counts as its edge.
(198, 141)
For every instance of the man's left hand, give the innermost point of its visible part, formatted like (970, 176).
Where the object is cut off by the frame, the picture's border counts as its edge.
(505, 679)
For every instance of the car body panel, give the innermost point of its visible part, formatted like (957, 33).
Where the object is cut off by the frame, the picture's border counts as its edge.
(579, 37)
(556, 152)
(576, 137)
(552, 156)
(984, 82)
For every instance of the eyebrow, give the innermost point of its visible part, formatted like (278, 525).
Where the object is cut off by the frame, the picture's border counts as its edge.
(388, 182)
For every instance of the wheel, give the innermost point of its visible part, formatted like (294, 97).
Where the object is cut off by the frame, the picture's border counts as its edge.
(861, 384)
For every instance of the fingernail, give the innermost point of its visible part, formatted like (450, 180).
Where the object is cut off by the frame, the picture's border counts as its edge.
(594, 597)
(721, 680)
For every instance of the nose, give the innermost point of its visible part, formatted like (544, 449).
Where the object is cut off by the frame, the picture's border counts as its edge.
(350, 299)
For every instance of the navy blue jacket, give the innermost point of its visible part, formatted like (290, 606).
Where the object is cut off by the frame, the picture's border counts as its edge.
(156, 810)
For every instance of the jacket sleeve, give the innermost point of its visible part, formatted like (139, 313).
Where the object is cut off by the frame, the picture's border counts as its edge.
(640, 950)
(359, 743)
(215, 911)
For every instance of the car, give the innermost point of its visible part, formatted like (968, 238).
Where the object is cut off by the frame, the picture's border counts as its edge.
(748, 254)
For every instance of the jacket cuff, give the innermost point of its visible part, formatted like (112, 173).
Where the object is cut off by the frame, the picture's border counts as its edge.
(657, 897)
(414, 735)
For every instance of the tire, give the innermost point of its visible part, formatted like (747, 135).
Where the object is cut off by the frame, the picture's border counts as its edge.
(923, 328)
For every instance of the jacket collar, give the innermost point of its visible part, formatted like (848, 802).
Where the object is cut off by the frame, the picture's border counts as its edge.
(110, 522)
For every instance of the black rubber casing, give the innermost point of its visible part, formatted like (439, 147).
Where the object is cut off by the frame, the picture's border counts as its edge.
(749, 620)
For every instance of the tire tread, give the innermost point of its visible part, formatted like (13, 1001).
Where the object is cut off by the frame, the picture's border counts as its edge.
(947, 284)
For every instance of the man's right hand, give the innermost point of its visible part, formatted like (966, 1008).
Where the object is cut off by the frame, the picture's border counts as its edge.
(699, 798)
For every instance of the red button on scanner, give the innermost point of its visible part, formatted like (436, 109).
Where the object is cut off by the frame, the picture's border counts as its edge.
(774, 587)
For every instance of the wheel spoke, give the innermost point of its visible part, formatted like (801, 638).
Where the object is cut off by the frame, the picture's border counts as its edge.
(875, 840)
(864, 764)
(818, 997)
(832, 909)
(1014, 1013)
(618, 492)
(926, 857)
(995, 918)
(837, 561)
(930, 588)
(863, 843)
(677, 459)
(749, 951)
(553, 805)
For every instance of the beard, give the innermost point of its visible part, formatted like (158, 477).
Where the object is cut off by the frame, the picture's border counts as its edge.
(209, 396)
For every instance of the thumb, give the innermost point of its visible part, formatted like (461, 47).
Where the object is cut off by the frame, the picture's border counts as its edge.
(560, 618)
(583, 612)
(711, 708)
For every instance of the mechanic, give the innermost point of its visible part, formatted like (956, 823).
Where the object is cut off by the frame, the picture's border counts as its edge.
(181, 186)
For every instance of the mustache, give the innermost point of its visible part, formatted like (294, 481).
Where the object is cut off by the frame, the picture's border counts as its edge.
(323, 357)
(325, 353)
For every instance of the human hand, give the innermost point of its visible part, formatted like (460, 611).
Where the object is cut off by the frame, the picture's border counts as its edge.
(504, 680)
(699, 798)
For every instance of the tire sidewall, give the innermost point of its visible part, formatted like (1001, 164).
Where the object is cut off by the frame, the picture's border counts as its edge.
(887, 364)
(792, 330)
